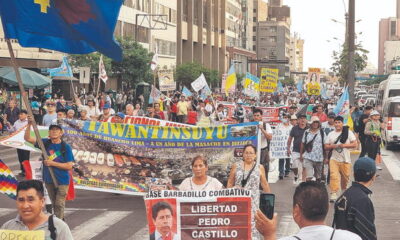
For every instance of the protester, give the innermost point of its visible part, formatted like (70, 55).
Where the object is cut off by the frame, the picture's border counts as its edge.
(106, 114)
(293, 120)
(373, 136)
(191, 116)
(239, 112)
(11, 113)
(266, 136)
(361, 128)
(83, 114)
(23, 155)
(221, 115)
(174, 109)
(51, 114)
(163, 215)
(338, 144)
(329, 125)
(310, 207)
(137, 111)
(354, 210)
(249, 175)
(119, 117)
(182, 107)
(60, 159)
(61, 114)
(30, 202)
(312, 151)
(284, 163)
(71, 114)
(157, 111)
(296, 136)
(200, 180)
(320, 114)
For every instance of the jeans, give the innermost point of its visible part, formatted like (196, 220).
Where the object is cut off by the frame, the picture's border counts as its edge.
(363, 145)
(264, 160)
(57, 197)
(284, 166)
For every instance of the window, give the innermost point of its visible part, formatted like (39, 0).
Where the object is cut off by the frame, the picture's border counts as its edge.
(394, 92)
(272, 39)
(165, 47)
(394, 109)
(272, 29)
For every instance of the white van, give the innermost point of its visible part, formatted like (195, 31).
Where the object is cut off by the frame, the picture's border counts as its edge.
(387, 89)
(391, 119)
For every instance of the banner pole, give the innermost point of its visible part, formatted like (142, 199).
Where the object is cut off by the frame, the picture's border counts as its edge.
(154, 83)
(29, 109)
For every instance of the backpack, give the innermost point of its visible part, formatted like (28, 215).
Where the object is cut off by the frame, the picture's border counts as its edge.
(52, 229)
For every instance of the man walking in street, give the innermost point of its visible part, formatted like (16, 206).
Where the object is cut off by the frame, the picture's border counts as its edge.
(312, 153)
(338, 143)
(354, 210)
(361, 128)
(30, 202)
(296, 135)
(182, 108)
(266, 136)
(60, 159)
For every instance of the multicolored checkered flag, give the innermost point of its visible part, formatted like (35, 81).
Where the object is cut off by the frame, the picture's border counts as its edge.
(8, 182)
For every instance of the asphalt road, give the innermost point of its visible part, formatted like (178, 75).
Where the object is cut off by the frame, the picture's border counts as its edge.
(101, 216)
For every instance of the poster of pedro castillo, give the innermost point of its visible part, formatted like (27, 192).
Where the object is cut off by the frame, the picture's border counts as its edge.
(218, 214)
(125, 158)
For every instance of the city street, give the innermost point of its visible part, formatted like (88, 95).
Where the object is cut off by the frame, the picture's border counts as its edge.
(100, 216)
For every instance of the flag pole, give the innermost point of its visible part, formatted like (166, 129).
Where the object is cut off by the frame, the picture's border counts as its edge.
(154, 83)
(29, 110)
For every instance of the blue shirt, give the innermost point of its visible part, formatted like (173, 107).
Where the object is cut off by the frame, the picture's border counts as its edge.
(54, 152)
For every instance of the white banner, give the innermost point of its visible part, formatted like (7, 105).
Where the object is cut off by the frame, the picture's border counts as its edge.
(199, 83)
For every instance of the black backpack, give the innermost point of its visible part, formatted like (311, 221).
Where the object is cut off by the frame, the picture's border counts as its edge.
(52, 229)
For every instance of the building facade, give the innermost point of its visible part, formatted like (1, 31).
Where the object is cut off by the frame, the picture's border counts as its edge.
(296, 53)
(389, 30)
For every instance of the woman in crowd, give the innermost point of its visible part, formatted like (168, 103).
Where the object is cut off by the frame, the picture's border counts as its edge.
(249, 175)
(200, 180)
(138, 111)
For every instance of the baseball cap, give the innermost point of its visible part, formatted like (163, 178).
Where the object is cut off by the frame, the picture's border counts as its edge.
(55, 125)
(120, 114)
(293, 117)
(374, 113)
(365, 165)
(331, 115)
(301, 116)
(106, 106)
(314, 119)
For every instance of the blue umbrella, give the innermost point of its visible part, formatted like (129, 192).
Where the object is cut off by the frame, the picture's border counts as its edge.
(30, 79)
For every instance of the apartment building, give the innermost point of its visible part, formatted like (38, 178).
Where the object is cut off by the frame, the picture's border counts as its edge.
(296, 53)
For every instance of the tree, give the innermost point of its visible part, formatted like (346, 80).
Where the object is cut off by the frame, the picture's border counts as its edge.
(340, 64)
(134, 67)
(186, 73)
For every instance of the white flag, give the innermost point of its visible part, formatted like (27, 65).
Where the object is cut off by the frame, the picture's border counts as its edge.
(199, 83)
(154, 62)
(102, 70)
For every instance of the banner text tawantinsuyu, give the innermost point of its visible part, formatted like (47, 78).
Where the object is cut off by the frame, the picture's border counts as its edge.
(156, 132)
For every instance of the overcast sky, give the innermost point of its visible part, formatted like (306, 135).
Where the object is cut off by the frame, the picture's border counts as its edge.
(312, 20)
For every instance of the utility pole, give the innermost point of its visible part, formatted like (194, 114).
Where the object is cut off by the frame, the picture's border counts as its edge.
(351, 48)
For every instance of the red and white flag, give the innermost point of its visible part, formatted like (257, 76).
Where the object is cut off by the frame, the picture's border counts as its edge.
(102, 70)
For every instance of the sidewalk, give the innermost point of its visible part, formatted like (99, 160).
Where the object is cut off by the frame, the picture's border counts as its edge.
(385, 197)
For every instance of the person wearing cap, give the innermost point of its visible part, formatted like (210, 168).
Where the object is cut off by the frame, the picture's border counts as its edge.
(23, 155)
(60, 159)
(312, 150)
(338, 144)
(106, 114)
(295, 136)
(293, 120)
(284, 163)
(329, 125)
(292, 110)
(354, 210)
(51, 114)
(119, 117)
(373, 136)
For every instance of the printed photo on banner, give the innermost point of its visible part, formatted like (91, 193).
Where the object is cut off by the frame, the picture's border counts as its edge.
(269, 80)
(219, 214)
(166, 80)
(120, 157)
(314, 85)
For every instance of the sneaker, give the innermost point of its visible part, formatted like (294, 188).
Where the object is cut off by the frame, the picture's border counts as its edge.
(333, 197)
(378, 167)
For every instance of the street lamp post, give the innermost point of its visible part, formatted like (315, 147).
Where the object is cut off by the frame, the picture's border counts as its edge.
(351, 49)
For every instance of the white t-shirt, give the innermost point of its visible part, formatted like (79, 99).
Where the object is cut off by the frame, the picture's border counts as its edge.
(93, 112)
(322, 232)
(210, 184)
(268, 129)
(344, 156)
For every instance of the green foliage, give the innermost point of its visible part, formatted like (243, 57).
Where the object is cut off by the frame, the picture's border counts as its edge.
(341, 62)
(134, 67)
(186, 73)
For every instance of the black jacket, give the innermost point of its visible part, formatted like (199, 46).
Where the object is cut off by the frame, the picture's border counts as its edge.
(354, 212)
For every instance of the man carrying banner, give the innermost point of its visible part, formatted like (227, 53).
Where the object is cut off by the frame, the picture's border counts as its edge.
(61, 159)
(266, 136)
(162, 215)
(30, 202)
